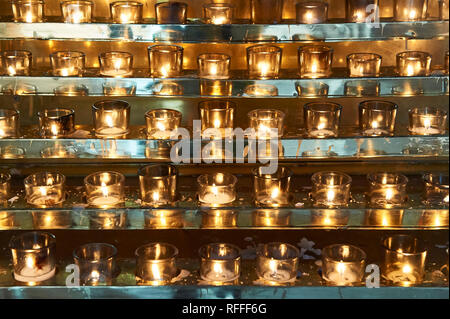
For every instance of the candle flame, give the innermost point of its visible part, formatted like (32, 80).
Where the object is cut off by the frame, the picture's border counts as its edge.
(330, 195)
(427, 122)
(216, 123)
(437, 221)
(359, 16)
(117, 64)
(29, 17)
(124, 18)
(385, 221)
(446, 199)
(213, 69)
(54, 129)
(275, 192)
(104, 189)
(155, 196)
(341, 268)
(389, 194)
(160, 126)
(76, 16)
(217, 268)
(164, 71)
(309, 16)
(314, 68)
(155, 271)
(321, 125)
(43, 190)
(412, 14)
(407, 269)
(2, 132)
(374, 124)
(409, 70)
(214, 190)
(273, 265)
(64, 72)
(11, 70)
(95, 275)
(263, 68)
(29, 261)
(109, 120)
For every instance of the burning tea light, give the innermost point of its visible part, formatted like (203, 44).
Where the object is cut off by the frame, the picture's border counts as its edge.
(96, 262)
(410, 10)
(384, 217)
(77, 11)
(71, 90)
(437, 218)
(116, 219)
(217, 116)
(54, 123)
(266, 123)
(105, 189)
(266, 11)
(116, 64)
(427, 121)
(413, 63)
(164, 218)
(167, 88)
(404, 260)
(216, 87)
(260, 90)
(5, 180)
(364, 64)
(214, 66)
(16, 62)
(158, 184)
(67, 63)
(271, 218)
(119, 88)
(28, 10)
(219, 218)
(111, 118)
(126, 11)
(9, 123)
(263, 61)
(52, 219)
(272, 189)
(387, 189)
(436, 189)
(216, 189)
(33, 256)
(330, 189)
(362, 88)
(172, 12)
(343, 265)
(161, 122)
(322, 119)
(165, 60)
(311, 12)
(377, 118)
(360, 10)
(311, 89)
(220, 263)
(277, 262)
(45, 189)
(314, 61)
(156, 263)
(444, 9)
(329, 217)
(218, 13)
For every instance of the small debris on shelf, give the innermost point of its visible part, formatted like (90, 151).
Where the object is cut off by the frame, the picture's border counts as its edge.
(13, 199)
(299, 204)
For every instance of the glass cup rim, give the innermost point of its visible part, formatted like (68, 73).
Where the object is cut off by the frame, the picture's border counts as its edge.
(172, 171)
(8, 113)
(413, 54)
(66, 2)
(218, 5)
(171, 4)
(126, 3)
(66, 113)
(373, 178)
(29, 179)
(328, 248)
(49, 236)
(111, 255)
(28, 1)
(376, 105)
(79, 89)
(315, 48)
(428, 178)
(235, 256)
(420, 244)
(111, 53)
(285, 172)
(118, 104)
(208, 57)
(174, 253)
(217, 105)
(233, 179)
(260, 251)
(311, 107)
(272, 49)
(87, 179)
(175, 113)
(312, 4)
(347, 180)
(369, 56)
(7, 54)
(67, 54)
(424, 110)
(253, 114)
(165, 48)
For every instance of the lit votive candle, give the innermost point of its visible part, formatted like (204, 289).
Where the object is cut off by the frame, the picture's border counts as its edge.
(444, 9)
(156, 263)
(264, 61)
(111, 118)
(360, 10)
(105, 189)
(362, 88)
(167, 88)
(260, 90)
(8, 220)
(71, 90)
(329, 217)
(311, 89)
(267, 123)
(330, 189)
(277, 262)
(33, 256)
(216, 87)
(217, 189)
(164, 218)
(96, 263)
(214, 66)
(16, 62)
(217, 116)
(311, 12)
(377, 118)
(384, 217)
(314, 61)
(410, 10)
(220, 263)
(436, 189)
(343, 265)
(116, 219)
(160, 123)
(437, 218)
(271, 218)
(272, 190)
(9, 123)
(158, 184)
(45, 189)
(59, 151)
(172, 12)
(322, 119)
(119, 88)
(219, 218)
(404, 260)
(266, 11)
(413, 63)
(387, 189)
(218, 13)
(126, 11)
(67, 63)
(427, 121)
(116, 64)
(77, 11)
(364, 64)
(52, 219)
(58, 122)
(165, 60)
(5, 180)
(28, 10)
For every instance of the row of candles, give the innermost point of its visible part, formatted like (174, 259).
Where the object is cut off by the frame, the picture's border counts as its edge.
(158, 187)
(262, 11)
(111, 120)
(263, 62)
(34, 260)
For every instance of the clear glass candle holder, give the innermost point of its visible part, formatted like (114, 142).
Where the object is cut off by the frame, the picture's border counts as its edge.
(314, 61)
(219, 218)
(117, 219)
(165, 60)
(5, 184)
(119, 88)
(322, 119)
(9, 123)
(156, 263)
(260, 90)
(16, 62)
(45, 189)
(55, 123)
(111, 118)
(264, 61)
(384, 217)
(361, 88)
(52, 219)
(71, 90)
(277, 262)
(161, 122)
(28, 10)
(33, 256)
(8, 220)
(311, 12)
(310, 89)
(172, 12)
(77, 11)
(105, 189)
(271, 218)
(343, 265)
(444, 9)
(387, 189)
(217, 189)
(427, 121)
(167, 88)
(436, 190)
(266, 11)
(164, 218)
(214, 66)
(220, 263)
(158, 184)
(116, 64)
(67, 63)
(377, 118)
(436, 218)
(329, 217)
(410, 10)
(363, 64)
(210, 87)
(126, 12)
(218, 13)
(217, 115)
(330, 189)
(359, 10)
(413, 63)
(272, 190)
(267, 123)
(404, 260)
(96, 263)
